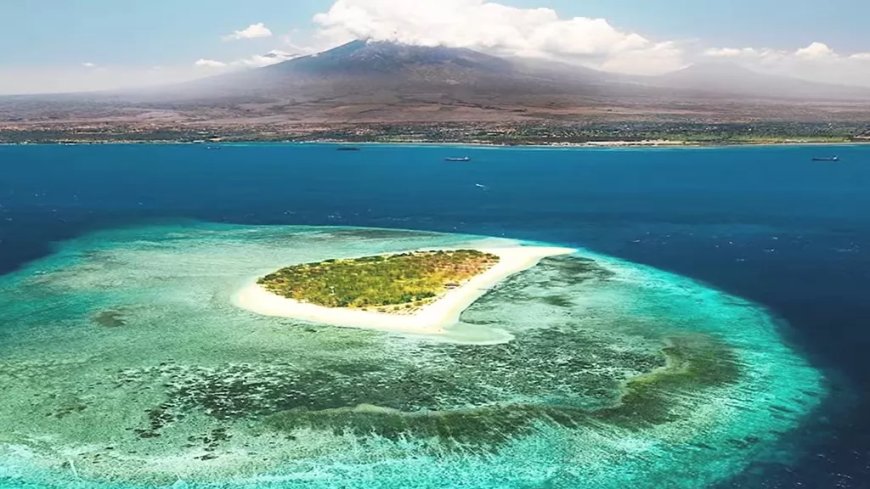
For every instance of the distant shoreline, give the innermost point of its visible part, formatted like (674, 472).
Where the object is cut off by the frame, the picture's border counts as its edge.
(546, 134)
(657, 144)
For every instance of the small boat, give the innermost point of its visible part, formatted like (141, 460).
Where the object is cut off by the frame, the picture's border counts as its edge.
(827, 158)
(463, 159)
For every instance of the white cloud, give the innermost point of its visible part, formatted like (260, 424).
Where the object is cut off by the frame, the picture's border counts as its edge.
(499, 29)
(815, 50)
(732, 52)
(209, 63)
(253, 31)
(256, 61)
(260, 60)
(88, 64)
(816, 62)
(763, 56)
(661, 57)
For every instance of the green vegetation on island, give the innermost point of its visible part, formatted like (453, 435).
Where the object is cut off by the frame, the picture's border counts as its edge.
(402, 282)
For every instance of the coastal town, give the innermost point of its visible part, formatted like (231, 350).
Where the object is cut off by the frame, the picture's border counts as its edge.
(548, 133)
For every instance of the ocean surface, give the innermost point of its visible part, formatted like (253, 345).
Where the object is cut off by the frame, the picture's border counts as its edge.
(764, 225)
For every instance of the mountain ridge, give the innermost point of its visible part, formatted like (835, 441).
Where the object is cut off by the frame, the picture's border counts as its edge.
(439, 65)
(383, 82)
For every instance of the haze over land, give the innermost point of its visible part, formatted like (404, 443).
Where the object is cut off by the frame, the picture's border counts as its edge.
(470, 71)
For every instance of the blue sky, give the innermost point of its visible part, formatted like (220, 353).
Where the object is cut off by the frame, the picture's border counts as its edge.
(55, 38)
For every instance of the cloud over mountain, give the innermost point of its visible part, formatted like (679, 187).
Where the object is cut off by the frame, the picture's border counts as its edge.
(488, 26)
(817, 62)
(502, 30)
(209, 63)
(255, 61)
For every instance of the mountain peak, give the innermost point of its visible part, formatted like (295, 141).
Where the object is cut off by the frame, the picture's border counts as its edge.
(380, 80)
(385, 57)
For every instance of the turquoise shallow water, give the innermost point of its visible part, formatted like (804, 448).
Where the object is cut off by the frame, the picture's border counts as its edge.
(125, 365)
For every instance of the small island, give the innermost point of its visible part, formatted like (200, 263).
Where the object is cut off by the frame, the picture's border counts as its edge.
(398, 283)
(421, 292)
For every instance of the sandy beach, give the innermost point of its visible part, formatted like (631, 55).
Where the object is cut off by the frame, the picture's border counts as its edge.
(433, 319)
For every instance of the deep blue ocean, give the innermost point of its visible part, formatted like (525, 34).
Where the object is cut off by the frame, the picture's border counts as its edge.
(764, 223)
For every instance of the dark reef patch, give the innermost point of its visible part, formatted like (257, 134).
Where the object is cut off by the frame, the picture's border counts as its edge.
(110, 319)
(468, 397)
(553, 273)
(687, 365)
(694, 363)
